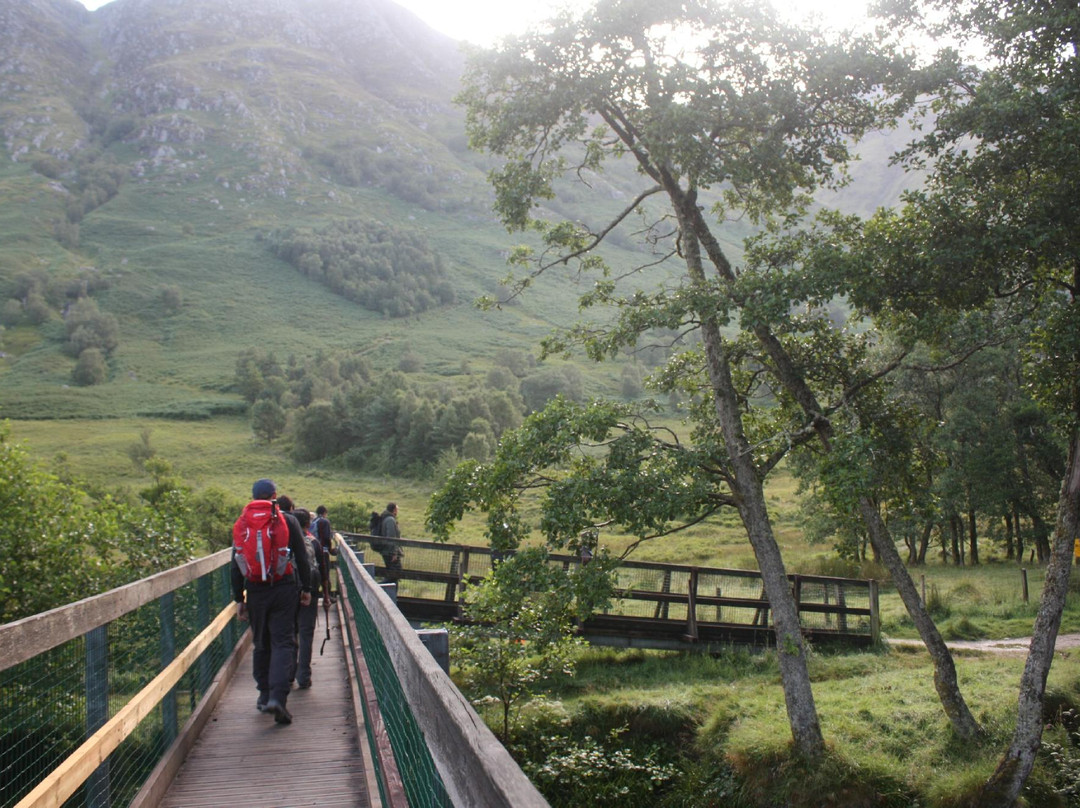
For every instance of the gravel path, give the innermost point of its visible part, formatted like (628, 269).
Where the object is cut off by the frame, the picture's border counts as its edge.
(1007, 646)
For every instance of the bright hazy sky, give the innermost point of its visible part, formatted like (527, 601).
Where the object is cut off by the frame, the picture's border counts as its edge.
(484, 21)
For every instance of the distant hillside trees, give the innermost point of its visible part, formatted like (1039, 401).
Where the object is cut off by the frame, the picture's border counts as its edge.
(410, 179)
(90, 368)
(338, 410)
(383, 268)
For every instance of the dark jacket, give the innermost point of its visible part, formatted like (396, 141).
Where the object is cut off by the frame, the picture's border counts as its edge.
(388, 528)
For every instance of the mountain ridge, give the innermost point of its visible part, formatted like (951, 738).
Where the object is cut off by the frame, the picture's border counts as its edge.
(154, 146)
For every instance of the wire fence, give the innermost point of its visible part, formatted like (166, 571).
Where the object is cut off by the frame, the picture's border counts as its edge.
(51, 703)
(422, 784)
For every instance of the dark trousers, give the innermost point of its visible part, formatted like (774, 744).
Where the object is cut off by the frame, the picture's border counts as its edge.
(392, 562)
(272, 612)
(306, 620)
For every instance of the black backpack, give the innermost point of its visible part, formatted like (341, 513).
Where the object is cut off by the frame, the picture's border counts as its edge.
(375, 524)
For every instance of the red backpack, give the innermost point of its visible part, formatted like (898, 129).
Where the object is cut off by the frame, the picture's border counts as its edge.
(261, 542)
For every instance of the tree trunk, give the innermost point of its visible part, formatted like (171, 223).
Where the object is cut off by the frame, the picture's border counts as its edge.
(948, 688)
(957, 543)
(788, 374)
(750, 494)
(1019, 533)
(1010, 547)
(973, 538)
(924, 544)
(1003, 788)
(912, 544)
(1040, 535)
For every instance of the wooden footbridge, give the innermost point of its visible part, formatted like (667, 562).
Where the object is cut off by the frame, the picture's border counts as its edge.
(142, 696)
(661, 606)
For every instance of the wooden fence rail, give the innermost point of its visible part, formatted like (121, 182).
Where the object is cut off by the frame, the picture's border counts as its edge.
(657, 606)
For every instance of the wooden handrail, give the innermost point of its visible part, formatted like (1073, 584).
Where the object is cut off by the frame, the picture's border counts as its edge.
(26, 638)
(66, 778)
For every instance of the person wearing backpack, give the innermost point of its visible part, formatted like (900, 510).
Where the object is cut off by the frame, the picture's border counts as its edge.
(270, 575)
(386, 528)
(322, 531)
(308, 615)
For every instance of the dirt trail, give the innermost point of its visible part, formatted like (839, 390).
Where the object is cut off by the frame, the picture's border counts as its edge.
(1007, 646)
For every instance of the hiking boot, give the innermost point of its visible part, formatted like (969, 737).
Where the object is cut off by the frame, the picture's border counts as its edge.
(304, 685)
(260, 705)
(281, 715)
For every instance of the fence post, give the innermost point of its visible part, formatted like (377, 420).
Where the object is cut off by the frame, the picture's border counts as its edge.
(169, 724)
(1024, 582)
(206, 674)
(662, 605)
(97, 710)
(875, 614)
(691, 605)
(228, 635)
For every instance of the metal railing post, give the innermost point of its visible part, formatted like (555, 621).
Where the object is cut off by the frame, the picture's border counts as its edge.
(203, 587)
(97, 710)
(169, 724)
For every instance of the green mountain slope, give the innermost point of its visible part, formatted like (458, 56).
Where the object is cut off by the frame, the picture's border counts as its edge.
(151, 148)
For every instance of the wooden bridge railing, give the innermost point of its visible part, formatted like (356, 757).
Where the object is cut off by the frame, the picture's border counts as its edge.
(658, 605)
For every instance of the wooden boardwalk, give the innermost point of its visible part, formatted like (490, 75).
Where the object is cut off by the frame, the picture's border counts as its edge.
(242, 758)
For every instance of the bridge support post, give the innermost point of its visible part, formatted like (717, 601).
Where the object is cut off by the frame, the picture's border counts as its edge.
(437, 641)
(97, 710)
(691, 606)
(206, 673)
(169, 722)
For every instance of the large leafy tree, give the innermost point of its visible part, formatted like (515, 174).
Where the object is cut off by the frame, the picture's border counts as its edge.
(997, 221)
(719, 105)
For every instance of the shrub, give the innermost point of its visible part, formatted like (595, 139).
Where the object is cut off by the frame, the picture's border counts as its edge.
(587, 772)
(90, 369)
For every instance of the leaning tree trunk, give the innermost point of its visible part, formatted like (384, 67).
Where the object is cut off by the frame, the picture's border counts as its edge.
(952, 701)
(1003, 788)
(948, 688)
(750, 494)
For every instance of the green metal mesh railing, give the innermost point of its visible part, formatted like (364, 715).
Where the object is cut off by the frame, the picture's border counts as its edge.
(423, 786)
(50, 704)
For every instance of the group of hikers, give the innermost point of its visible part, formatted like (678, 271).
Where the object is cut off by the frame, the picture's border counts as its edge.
(280, 571)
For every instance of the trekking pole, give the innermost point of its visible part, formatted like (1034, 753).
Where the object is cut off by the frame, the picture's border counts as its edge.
(326, 608)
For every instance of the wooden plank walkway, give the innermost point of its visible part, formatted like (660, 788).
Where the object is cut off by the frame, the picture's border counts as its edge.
(242, 758)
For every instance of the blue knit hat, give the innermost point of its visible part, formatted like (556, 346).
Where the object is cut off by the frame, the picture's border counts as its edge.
(263, 489)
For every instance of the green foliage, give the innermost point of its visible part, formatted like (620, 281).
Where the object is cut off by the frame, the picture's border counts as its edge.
(337, 409)
(595, 465)
(87, 326)
(90, 368)
(268, 419)
(522, 626)
(592, 772)
(60, 543)
(381, 267)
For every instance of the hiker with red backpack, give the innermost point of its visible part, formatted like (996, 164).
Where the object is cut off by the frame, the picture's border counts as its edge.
(268, 553)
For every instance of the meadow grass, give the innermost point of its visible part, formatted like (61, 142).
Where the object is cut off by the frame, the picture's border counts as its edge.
(983, 602)
(888, 739)
(723, 715)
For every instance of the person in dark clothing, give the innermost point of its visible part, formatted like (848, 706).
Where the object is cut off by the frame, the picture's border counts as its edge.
(270, 606)
(308, 615)
(324, 532)
(389, 549)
